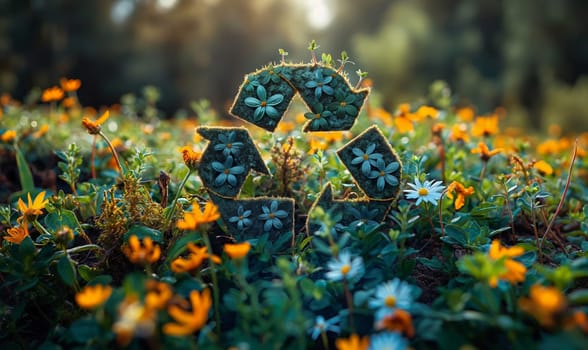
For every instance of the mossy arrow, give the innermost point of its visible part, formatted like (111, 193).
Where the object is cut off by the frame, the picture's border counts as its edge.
(227, 160)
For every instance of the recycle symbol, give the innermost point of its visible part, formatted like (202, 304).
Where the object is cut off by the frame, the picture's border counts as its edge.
(262, 100)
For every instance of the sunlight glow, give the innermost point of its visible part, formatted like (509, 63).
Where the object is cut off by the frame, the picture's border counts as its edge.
(319, 14)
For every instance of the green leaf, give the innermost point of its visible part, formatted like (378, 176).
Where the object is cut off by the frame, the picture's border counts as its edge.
(24, 173)
(66, 271)
(180, 245)
(87, 273)
(56, 220)
(143, 231)
(433, 264)
(28, 285)
(27, 248)
(84, 330)
(579, 297)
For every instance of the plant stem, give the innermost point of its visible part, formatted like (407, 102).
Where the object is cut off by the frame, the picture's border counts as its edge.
(113, 151)
(349, 304)
(170, 214)
(215, 292)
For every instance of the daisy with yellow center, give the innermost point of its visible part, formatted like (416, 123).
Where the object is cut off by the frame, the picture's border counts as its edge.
(391, 295)
(93, 296)
(427, 191)
(345, 267)
(189, 321)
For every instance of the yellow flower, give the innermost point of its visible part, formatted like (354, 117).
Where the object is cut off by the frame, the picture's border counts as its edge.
(94, 127)
(70, 84)
(8, 136)
(399, 321)
(17, 234)
(459, 132)
(465, 114)
(197, 256)
(191, 157)
(515, 271)
(69, 102)
(146, 253)
(34, 208)
(484, 151)
(317, 144)
(51, 94)
(544, 303)
(382, 115)
(93, 296)
(543, 167)
(134, 319)
(424, 112)
(548, 147)
(354, 342)
(188, 322)
(485, 126)
(461, 192)
(285, 127)
(193, 219)
(237, 251)
(158, 294)
(403, 120)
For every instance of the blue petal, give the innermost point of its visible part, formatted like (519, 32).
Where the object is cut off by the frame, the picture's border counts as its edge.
(261, 93)
(392, 180)
(357, 151)
(234, 219)
(268, 225)
(237, 170)
(328, 90)
(218, 166)
(277, 223)
(370, 148)
(311, 84)
(392, 167)
(381, 183)
(318, 92)
(327, 79)
(258, 114)
(220, 179)
(281, 214)
(252, 102)
(366, 168)
(272, 112)
(357, 160)
(275, 99)
(232, 180)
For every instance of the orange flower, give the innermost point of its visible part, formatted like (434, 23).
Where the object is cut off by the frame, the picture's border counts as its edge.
(399, 321)
(465, 114)
(51, 94)
(548, 147)
(403, 120)
(543, 167)
(188, 322)
(515, 271)
(142, 254)
(485, 153)
(461, 192)
(192, 219)
(8, 136)
(70, 84)
(93, 296)
(42, 131)
(34, 208)
(94, 127)
(382, 115)
(578, 319)
(317, 144)
(285, 127)
(17, 234)
(485, 126)
(158, 294)
(69, 102)
(191, 157)
(354, 342)
(194, 260)
(237, 251)
(424, 112)
(459, 132)
(544, 304)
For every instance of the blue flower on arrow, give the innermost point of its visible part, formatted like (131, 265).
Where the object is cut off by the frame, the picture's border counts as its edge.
(227, 172)
(242, 218)
(272, 216)
(228, 144)
(367, 158)
(264, 105)
(384, 174)
(320, 84)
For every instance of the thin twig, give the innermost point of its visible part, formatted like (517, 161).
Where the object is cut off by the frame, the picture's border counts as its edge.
(563, 195)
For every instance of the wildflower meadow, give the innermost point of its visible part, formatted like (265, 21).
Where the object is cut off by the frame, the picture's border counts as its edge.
(312, 218)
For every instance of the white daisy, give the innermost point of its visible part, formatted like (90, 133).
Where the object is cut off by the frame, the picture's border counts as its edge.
(390, 296)
(345, 267)
(428, 191)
